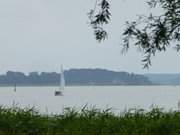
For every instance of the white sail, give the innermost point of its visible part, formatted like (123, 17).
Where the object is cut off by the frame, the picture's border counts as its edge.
(62, 80)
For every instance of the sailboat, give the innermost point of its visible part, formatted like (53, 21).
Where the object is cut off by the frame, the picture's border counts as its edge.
(62, 84)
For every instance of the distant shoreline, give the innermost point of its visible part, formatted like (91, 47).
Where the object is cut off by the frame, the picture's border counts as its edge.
(73, 77)
(87, 77)
(88, 85)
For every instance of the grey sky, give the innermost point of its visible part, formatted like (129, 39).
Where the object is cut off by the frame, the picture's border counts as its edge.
(43, 34)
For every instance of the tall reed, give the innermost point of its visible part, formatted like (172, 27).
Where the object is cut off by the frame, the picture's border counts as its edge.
(16, 121)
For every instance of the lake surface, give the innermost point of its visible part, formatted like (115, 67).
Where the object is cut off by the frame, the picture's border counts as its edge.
(103, 97)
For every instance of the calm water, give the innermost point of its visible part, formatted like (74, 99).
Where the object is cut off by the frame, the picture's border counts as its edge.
(117, 97)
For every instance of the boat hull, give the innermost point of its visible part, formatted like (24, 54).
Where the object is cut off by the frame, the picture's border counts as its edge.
(58, 93)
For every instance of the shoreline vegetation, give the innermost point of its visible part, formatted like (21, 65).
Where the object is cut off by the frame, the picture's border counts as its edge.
(74, 77)
(87, 77)
(152, 85)
(28, 121)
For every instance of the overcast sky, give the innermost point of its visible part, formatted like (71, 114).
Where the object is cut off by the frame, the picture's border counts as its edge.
(40, 35)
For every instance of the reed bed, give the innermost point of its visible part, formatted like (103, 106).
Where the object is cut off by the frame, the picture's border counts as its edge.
(16, 121)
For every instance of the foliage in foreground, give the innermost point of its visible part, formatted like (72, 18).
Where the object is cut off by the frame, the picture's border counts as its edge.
(15, 121)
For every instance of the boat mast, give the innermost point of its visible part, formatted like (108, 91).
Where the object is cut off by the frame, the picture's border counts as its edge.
(15, 87)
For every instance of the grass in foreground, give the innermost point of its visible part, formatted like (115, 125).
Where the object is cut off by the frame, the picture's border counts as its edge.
(15, 121)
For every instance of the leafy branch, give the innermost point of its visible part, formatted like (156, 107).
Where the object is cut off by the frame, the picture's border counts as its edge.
(99, 16)
(151, 33)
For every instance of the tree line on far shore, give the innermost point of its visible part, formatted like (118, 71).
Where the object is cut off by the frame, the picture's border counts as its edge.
(74, 77)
